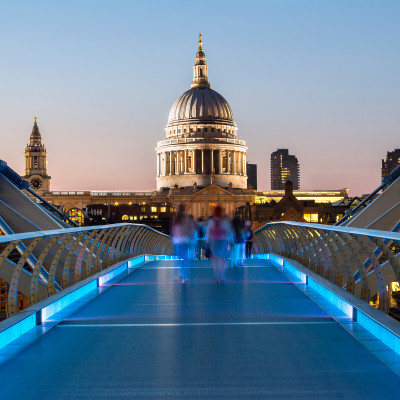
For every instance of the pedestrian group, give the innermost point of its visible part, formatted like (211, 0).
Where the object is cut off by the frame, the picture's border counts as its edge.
(218, 238)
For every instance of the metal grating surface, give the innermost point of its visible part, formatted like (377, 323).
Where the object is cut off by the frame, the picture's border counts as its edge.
(257, 336)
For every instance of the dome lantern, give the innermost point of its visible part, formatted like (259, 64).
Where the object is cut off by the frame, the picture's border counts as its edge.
(200, 68)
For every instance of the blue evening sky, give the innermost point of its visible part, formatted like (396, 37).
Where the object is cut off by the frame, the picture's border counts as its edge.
(318, 77)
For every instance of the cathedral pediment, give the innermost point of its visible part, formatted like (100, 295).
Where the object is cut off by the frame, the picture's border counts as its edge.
(213, 190)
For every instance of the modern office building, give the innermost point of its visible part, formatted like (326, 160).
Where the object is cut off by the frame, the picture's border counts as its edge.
(391, 162)
(251, 176)
(284, 167)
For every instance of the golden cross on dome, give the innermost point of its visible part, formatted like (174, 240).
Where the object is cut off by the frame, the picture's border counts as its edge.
(200, 42)
(35, 121)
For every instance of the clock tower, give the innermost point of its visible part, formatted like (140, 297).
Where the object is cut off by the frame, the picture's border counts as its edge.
(36, 163)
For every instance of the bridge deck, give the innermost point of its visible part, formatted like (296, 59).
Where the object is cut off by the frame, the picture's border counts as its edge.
(255, 336)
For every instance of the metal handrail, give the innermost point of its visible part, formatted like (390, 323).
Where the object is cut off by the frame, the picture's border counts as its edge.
(361, 261)
(68, 256)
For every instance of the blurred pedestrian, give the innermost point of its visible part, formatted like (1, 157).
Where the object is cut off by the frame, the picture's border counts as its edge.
(249, 233)
(182, 236)
(238, 240)
(201, 238)
(219, 235)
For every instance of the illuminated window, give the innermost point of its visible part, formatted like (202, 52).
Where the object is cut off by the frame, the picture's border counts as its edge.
(77, 216)
(135, 217)
(143, 209)
(153, 209)
(163, 209)
(125, 218)
(131, 217)
(395, 286)
(311, 217)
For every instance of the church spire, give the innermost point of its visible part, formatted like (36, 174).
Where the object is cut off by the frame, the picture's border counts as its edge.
(35, 135)
(200, 68)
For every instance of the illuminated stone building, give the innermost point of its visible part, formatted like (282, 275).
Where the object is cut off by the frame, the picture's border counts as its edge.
(284, 167)
(36, 162)
(391, 162)
(201, 163)
(201, 145)
(299, 207)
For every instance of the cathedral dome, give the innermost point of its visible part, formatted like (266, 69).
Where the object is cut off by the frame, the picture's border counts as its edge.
(200, 104)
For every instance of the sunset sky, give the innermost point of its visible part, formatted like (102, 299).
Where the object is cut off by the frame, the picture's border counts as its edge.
(320, 78)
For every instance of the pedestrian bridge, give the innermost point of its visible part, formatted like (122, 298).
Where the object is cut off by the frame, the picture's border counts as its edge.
(121, 326)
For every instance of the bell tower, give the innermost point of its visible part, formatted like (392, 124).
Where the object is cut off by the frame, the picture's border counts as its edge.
(36, 163)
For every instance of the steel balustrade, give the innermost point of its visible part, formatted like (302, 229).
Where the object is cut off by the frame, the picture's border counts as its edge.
(363, 262)
(69, 256)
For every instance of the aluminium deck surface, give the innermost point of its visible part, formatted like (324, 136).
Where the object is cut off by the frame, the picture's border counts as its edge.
(256, 336)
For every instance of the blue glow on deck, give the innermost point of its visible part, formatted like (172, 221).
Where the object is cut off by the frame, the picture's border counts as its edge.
(294, 271)
(333, 298)
(136, 261)
(382, 333)
(67, 300)
(18, 329)
(112, 274)
(276, 259)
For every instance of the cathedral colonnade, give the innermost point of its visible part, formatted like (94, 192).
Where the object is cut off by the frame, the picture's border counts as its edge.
(202, 164)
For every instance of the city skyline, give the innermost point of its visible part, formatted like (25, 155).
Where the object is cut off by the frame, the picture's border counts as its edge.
(102, 97)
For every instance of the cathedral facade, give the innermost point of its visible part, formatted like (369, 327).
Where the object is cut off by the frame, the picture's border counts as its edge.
(201, 145)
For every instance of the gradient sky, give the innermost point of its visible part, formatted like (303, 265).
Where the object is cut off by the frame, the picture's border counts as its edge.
(318, 77)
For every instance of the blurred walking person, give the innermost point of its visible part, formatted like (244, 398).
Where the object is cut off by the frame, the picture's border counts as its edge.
(238, 240)
(219, 235)
(182, 237)
(201, 238)
(249, 232)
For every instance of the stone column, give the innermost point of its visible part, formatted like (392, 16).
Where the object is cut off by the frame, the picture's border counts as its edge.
(228, 162)
(170, 162)
(194, 161)
(185, 161)
(234, 163)
(220, 160)
(202, 161)
(212, 161)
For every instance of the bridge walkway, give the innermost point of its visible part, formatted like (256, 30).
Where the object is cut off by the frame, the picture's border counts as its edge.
(147, 336)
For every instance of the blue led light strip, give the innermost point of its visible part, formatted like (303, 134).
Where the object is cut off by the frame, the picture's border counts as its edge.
(17, 325)
(375, 322)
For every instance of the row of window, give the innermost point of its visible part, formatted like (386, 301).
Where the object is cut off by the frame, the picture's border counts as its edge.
(136, 217)
(229, 131)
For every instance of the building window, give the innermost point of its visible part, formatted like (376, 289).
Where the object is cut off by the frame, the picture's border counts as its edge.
(135, 217)
(153, 209)
(77, 216)
(163, 209)
(311, 218)
(125, 218)
(143, 209)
